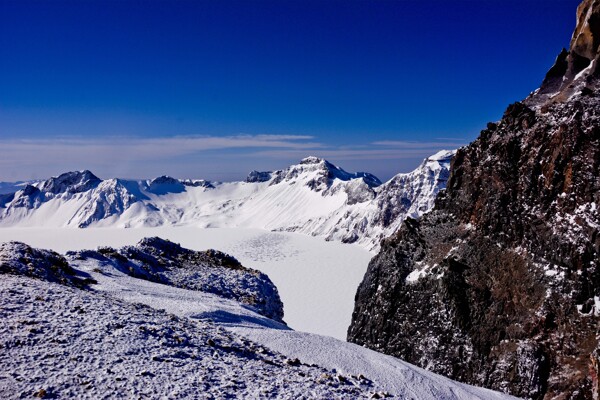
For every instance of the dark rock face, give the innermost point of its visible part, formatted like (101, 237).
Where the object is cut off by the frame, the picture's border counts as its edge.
(165, 184)
(71, 182)
(258, 176)
(499, 286)
(198, 183)
(17, 258)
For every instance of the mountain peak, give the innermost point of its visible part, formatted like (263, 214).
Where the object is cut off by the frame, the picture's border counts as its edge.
(70, 182)
(312, 160)
(165, 184)
(165, 180)
(586, 39)
(321, 174)
(576, 70)
(442, 155)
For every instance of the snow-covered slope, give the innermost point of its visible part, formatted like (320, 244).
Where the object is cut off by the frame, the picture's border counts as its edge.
(98, 332)
(210, 271)
(313, 197)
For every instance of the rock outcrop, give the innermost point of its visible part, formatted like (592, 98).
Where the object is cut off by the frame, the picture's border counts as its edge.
(70, 182)
(499, 286)
(579, 66)
(209, 271)
(18, 258)
(258, 176)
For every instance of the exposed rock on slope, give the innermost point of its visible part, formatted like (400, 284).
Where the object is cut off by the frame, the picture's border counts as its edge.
(210, 271)
(20, 259)
(499, 286)
(313, 197)
(575, 68)
(258, 176)
(70, 182)
(323, 174)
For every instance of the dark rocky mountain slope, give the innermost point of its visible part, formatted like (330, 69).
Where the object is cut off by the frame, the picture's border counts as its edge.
(499, 286)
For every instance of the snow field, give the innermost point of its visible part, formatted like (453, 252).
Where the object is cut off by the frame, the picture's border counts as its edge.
(317, 280)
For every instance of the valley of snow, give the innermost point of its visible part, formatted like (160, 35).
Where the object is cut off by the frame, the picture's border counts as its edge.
(317, 280)
(250, 220)
(125, 336)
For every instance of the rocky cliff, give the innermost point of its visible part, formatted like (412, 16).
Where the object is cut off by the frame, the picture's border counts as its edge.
(499, 286)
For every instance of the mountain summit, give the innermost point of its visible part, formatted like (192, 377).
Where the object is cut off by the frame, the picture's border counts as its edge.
(575, 70)
(70, 182)
(323, 173)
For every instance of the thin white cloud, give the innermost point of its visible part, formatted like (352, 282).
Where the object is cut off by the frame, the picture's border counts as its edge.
(80, 149)
(374, 154)
(453, 143)
(211, 157)
(128, 156)
(378, 150)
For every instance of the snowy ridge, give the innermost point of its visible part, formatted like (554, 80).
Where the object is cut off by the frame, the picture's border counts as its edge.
(313, 197)
(174, 342)
(210, 271)
(368, 222)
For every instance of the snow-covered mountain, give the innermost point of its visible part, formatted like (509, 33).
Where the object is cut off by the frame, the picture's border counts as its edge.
(313, 197)
(86, 326)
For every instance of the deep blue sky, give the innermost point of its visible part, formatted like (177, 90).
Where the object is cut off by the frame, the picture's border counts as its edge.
(106, 79)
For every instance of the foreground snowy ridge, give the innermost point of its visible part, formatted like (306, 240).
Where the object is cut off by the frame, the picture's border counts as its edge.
(80, 327)
(211, 271)
(313, 197)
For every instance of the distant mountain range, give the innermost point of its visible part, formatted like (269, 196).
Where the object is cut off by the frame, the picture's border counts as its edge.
(313, 197)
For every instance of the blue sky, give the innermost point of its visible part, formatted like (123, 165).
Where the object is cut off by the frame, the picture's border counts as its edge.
(213, 89)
